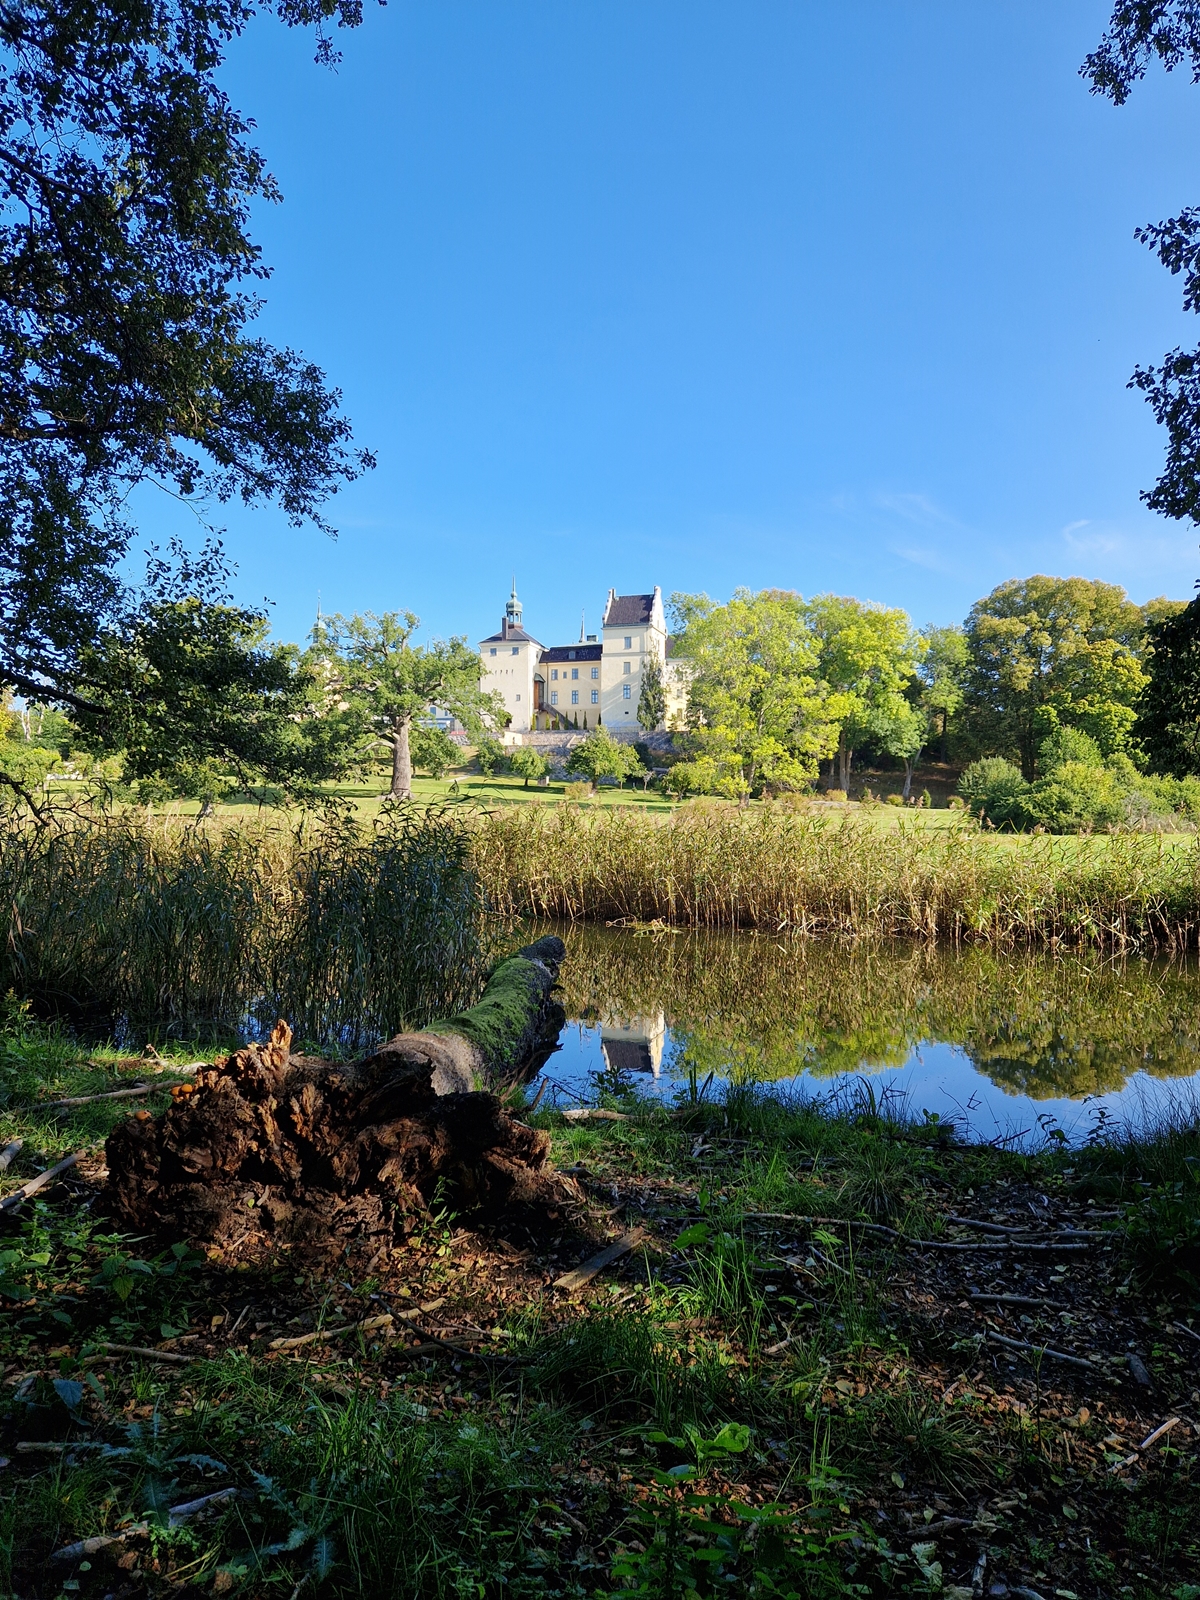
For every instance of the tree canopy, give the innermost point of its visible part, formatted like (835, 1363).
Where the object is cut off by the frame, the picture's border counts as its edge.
(756, 706)
(129, 279)
(867, 656)
(388, 683)
(1168, 724)
(1139, 33)
(1044, 651)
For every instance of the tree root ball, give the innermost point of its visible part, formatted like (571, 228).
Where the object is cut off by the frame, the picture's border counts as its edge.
(270, 1147)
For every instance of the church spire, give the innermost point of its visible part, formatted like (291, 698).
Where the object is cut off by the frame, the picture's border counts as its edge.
(512, 611)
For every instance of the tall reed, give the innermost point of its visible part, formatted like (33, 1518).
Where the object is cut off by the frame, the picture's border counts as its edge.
(774, 867)
(349, 933)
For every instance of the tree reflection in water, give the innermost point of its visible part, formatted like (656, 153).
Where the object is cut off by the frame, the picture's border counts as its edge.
(755, 1008)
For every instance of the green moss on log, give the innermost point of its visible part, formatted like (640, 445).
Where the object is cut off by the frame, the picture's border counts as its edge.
(512, 1015)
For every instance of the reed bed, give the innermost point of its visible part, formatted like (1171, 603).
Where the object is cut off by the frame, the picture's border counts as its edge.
(139, 924)
(772, 867)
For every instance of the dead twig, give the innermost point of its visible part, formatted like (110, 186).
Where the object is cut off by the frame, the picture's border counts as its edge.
(594, 1114)
(147, 1353)
(40, 1182)
(1040, 1349)
(176, 1517)
(1016, 1300)
(110, 1094)
(1151, 1438)
(367, 1325)
(597, 1263)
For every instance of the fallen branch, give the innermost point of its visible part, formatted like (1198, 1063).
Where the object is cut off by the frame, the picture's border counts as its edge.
(1040, 1349)
(147, 1353)
(365, 1326)
(594, 1114)
(597, 1263)
(10, 1152)
(1004, 1245)
(40, 1182)
(176, 1517)
(88, 1099)
(1151, 1438)
(1182, 1327)
(1017, 1300)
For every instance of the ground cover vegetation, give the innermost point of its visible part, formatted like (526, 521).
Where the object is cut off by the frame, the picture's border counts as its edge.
(842, 1355)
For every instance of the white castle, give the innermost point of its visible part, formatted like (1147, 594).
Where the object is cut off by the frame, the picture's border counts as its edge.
(597, 680)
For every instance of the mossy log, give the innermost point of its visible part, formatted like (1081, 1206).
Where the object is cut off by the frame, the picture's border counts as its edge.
(269, 1146)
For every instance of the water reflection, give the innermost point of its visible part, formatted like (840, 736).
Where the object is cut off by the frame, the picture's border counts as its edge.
(982, 1029)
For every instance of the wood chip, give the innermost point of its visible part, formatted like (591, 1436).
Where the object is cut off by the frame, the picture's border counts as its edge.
(365, 1326)
(597, 1263)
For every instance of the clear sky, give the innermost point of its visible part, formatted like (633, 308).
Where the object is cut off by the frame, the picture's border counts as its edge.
(837, 295)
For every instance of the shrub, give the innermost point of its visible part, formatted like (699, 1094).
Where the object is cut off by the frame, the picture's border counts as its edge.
(1076, 796)
(489, 753)
(894, 800)
(994, 788)
(577, 791)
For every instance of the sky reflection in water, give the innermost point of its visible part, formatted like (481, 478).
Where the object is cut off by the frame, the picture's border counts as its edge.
(1006, 1045)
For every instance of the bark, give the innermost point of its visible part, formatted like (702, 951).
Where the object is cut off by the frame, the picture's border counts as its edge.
(271, 1147)
(401, 761)
(908, 777)
(845, 757)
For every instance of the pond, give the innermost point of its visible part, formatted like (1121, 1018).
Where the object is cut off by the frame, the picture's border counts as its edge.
(1011, 1046)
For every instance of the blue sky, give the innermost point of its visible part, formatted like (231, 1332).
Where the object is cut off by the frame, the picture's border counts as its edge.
(820, 296)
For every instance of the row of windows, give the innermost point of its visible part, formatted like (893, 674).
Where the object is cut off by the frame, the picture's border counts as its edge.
(574, 672)
(574, 697)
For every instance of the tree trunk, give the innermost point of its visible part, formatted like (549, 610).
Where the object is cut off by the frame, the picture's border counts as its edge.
(401, 760)
(280, 1148)
(845, 757)
(908, 777)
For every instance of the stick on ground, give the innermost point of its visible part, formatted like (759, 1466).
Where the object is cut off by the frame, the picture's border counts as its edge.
(597, 1263)
(40, 1182)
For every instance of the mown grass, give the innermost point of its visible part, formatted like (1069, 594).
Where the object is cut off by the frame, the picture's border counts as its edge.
(751, 1406)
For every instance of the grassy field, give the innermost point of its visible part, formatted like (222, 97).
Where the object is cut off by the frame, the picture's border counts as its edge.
(780, 1391)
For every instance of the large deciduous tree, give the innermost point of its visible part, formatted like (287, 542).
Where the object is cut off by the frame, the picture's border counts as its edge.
(373, 666)
(867, 655)
(1139, 33)
(1168, 724)
(1050, 651)
(941, 674)
(756, 704)
(127, 297)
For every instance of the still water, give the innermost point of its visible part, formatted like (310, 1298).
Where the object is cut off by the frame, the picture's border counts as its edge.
(1009, 1046)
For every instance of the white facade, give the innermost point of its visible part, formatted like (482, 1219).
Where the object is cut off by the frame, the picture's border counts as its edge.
(592, 682)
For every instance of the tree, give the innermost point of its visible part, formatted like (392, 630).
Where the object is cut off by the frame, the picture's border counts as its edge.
(867, 656)
(432, 750)
(1044, 651)
(1139, 32)
(1168, 720)
(941, 674)
(391, 682)
(601, 756)
(756, 706)
(126, 353)
(904, 735)
(194, 698)
(528, 763)
(652, 702)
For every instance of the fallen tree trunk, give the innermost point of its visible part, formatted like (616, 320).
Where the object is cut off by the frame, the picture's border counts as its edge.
(273, 1147)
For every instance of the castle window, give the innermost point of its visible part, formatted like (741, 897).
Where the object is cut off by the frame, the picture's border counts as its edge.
(629, 641)
(574, 697)
(518, 698)
(570, 655)
(493, 649)
(595, 697)
(627, 692)
(554, 697)
(516, 649)
(595, 672)
(554, 672)
(574, 672)
(628, 668)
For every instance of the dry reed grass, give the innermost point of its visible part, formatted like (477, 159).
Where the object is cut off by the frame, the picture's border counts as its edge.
(350, 932)
(775, 867)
